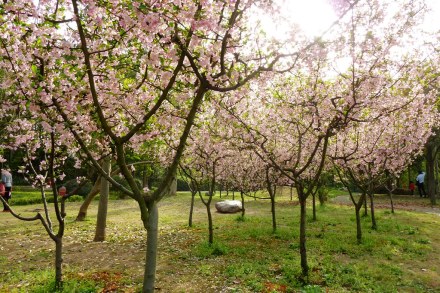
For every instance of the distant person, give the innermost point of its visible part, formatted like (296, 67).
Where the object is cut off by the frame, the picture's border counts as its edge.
(7, 181)
(420, 180)
(412, 187)
(2, 192)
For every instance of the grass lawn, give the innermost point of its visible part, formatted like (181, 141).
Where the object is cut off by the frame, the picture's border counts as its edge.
(402, 255)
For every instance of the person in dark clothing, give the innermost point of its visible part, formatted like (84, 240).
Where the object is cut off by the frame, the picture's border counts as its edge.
(7, 182)
(421, 184)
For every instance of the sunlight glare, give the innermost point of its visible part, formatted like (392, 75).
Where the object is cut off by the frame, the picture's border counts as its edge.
(312, 16)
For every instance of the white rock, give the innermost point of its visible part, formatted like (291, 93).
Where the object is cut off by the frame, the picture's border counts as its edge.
(228, 206)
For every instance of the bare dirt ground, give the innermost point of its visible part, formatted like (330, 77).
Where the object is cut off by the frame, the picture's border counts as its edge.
(29, 248)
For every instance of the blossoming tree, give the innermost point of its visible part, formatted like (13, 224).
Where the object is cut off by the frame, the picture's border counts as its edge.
(43, 167)
(366, 152)
(105, 72)
(352, 76)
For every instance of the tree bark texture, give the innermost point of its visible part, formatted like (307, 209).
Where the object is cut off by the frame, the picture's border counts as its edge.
(144, 177)
(302, 236)
(271, 189)
(58, 262)
(430, 171)
(272, 210)
(151, 254)
(89, 198)
(173, 186)
(357, 207)
(191, 209)
(365, 207)
(390, 194)
(101, 221)
(358, 224)
(436, 172)
(210, 226)
(242, 204)
(373, 218)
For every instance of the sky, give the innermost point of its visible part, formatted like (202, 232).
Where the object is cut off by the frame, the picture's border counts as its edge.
(432, 21)
(315, 16)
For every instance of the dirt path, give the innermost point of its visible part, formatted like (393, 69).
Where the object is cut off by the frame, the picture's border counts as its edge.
(406, 203)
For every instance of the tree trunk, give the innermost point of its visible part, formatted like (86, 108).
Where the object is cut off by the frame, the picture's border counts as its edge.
(302, 235)
(144, 177)
(89, 198)
(436, 172)
(173, 186)
(373, 218)
(430, 171)
(272, 200)
(101, 221)
(272, 210)
(314, 206)
(274, 218)
(357, 207)
(242, 204)
(150, 261)
(58, 262)
(358, 223)
(210, 227)
(390, 189)
(291, 192)
(190, 221)
(365, 207)
(390, 194)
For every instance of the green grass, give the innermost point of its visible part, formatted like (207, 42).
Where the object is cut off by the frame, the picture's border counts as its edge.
(206, 250)
(26, 195)
(400, 256)
(334, 192)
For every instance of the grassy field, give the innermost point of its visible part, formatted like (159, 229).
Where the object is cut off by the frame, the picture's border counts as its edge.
(402, 255)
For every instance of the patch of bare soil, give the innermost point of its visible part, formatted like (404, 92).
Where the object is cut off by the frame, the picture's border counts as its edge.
(118, 263)
(106, 262)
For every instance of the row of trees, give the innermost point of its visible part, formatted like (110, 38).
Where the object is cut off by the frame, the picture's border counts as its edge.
(253, 146)
(99, 80)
